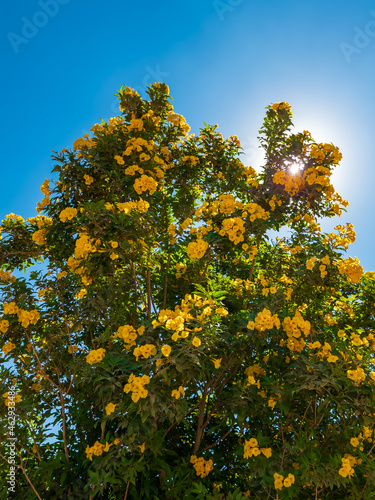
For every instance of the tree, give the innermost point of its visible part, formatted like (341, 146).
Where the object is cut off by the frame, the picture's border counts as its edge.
(178, 350)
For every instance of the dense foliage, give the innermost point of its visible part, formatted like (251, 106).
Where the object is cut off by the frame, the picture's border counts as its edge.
(167, 347)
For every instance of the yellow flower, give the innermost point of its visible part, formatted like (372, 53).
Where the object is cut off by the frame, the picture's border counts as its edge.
(202, 467)
(97, 450)
(110, 408)
(80, 294)
(311, 263)
(145, 183)
(196, 249)
(39, 237)
(357, 375)
(166, 350)
(289, 480)
(86, 280)
(146, 351)
(178, 393)
(8, 347)
(315, 345)
(136, 386)
(11, 400)
(142, 447)
(221, 311)
(267, 452)
(217, 362)
(332, 359)
(95, 356)
(346, 468)
(354, 442)
(271, 402)
(278, 481)
(196, 341)
(119, 159)
(67, 214)
(88, 179)
(27, 317)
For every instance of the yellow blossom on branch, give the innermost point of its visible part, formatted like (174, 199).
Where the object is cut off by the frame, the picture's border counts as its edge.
(95, 356)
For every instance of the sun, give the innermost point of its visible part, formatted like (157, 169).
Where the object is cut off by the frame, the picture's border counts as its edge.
(295, 167)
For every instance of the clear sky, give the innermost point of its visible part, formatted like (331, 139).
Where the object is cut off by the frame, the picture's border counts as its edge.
(224, 61)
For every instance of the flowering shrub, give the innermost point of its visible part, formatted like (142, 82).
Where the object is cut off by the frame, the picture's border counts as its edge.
(167, 348)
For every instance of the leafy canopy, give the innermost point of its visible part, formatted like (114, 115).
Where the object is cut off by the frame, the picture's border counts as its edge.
(168, 348)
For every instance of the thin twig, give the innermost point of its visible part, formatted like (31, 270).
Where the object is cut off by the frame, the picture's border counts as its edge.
(166, 282)
(200, 427)
(126, 492)
(25, 474)
(220, 439)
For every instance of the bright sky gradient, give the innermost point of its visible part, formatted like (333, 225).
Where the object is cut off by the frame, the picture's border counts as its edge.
(224, 61)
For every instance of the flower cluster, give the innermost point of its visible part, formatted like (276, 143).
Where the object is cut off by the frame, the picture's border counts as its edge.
(202, 467)
(196, 249)
(251, 371)
(145, 351)
(347, 466)
(8, 347)
(97, 449)
(128, 334)
(228, 204)
(46, 200)
(11, 400)
(358, 375)
(6, 276)
(68, 214)
(95, 356)
(39, 237)
(345, 237)
(145, 183)
(310, 263)
(84, 246)
(136, 385)
(294, 328)
(234, 228)
(264, 320)
(4, 325)
(24, 317)
(292, 183)
(251, 449)
(255, 211)
(178, 120)
(325, 351)
(279, 481)
(279, 106)
(178, 393)
(83, 143)
(352, 268)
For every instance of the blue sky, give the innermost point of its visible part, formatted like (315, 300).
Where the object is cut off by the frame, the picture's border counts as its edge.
(224, 61)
